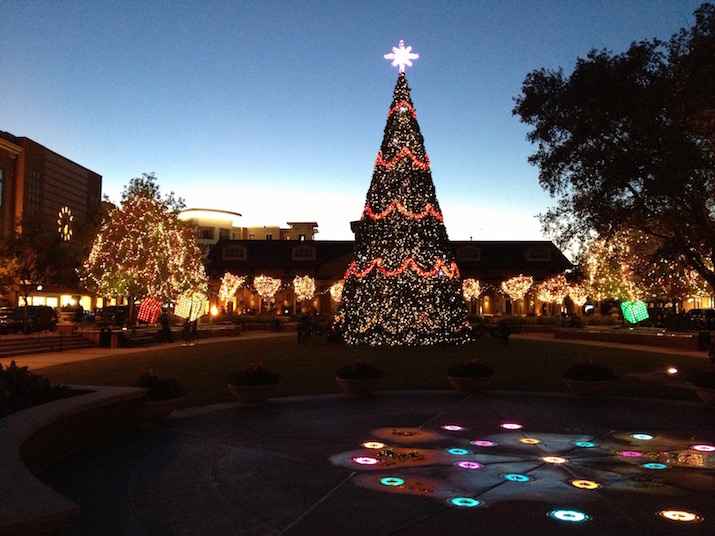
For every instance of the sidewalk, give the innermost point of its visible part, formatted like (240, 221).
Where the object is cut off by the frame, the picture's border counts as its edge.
(50, 359)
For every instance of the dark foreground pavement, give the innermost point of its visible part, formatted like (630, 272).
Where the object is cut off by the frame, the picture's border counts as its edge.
(299, 466)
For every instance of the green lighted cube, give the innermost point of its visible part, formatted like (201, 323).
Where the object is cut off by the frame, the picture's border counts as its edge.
(634, 311)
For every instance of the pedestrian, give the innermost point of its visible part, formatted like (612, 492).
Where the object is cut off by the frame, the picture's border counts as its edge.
(165, 328)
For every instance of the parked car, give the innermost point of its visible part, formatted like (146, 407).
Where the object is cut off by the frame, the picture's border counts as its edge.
(39, 318)
(112, 315)
(701, 319)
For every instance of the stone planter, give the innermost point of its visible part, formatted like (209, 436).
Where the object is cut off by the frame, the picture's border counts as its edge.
(254, 393)
(706, 395)
(588, 387)
(359, 386)
(160, 409)
(470, 385)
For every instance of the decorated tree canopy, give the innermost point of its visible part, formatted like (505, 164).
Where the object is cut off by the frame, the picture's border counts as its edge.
(229, 285)
(144, 249)
(517, 287)
(471, 289)
(403, 285)
(304, 287)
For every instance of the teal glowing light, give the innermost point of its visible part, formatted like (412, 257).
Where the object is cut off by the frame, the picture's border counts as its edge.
(655, 466)
(392, 481)
(585, 444)
(458, 452)
(571, 516)
(465, 502)
(516, 477)
(634, 311)
(642, 437)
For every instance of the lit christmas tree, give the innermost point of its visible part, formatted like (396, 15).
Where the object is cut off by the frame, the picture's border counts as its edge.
(403, 286)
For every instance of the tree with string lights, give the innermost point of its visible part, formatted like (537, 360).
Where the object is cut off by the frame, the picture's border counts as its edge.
(403, 286)
(143, 249)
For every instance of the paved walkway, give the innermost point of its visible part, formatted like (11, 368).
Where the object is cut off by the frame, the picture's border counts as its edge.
(401, 463)
(416, 463)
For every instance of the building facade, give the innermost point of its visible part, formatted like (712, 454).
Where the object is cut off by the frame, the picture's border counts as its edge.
(491, 262)
(38, 183)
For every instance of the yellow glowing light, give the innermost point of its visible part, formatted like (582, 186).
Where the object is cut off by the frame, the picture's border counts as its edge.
(585, 484)
(64, 223)
(680, 515)
(373, 445)
(530, 441)
(214, 310)
(672, 371)
(554, 459)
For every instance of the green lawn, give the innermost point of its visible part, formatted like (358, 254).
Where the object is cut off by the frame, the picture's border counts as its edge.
(309, 368)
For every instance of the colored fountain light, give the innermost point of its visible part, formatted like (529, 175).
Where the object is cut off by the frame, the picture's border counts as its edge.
(458, 452)
(656, 466)
(511, 426)
(554, 459)
(482, 443)
(530, 441)
(469, 465)
(585, 484)
(366, 460)
(571, 516)
(373, 445)
(703, 448)
(680, 515)
(516, 477)
(452, 427)
(465, 502)
(392, 481)
(642, 437)
(631, 453)
(585, 444)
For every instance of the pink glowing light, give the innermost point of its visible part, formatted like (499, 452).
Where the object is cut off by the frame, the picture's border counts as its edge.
(469, 465)
(452, 427)
(482, 443)
(631, 453)
(703, 448)
(366, 460)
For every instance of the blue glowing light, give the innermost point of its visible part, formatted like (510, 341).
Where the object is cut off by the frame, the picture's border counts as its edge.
(655, 466)
(392, 481)
(571, 516)
(458, 452)
(465, 502)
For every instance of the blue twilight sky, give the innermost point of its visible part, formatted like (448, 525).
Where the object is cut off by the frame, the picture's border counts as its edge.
(276, 109)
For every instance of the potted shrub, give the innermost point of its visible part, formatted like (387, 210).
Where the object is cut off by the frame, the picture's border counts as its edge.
(254, 383)
(470, 376)
(163, 395)
(359, 377)
(588, 379)
(704, 385)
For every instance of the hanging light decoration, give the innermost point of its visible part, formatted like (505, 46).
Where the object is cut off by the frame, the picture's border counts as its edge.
(304, 288)
(471, 289)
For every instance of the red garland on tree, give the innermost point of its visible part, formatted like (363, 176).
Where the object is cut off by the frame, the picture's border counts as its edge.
(403, 286)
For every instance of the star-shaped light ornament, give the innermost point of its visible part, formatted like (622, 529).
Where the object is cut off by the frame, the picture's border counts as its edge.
(401, 56)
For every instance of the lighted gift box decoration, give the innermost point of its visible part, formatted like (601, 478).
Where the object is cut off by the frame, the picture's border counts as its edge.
(634, 311)
(191, 306)
(149, 310)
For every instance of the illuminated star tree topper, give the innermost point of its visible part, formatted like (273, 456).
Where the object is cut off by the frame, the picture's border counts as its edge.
(401, 56)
